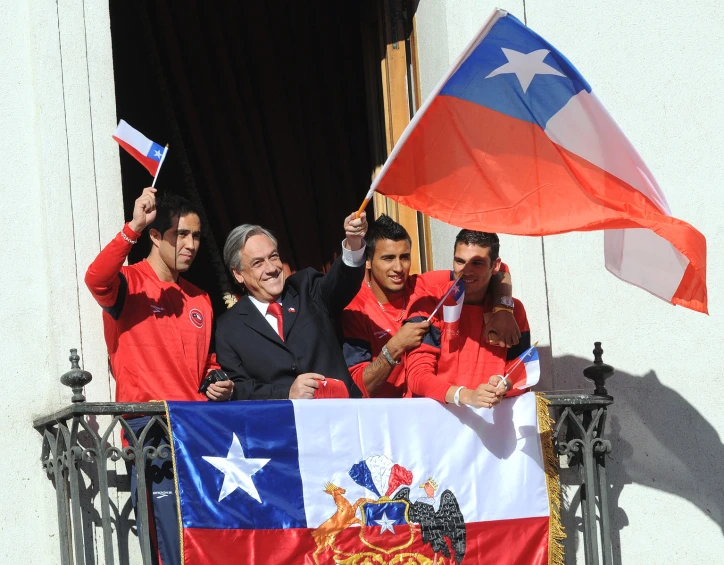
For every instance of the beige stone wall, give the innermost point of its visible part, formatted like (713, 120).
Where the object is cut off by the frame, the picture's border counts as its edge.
(61, 194)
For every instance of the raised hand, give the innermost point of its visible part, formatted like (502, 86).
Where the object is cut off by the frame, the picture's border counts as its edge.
(355, 229)
(144, 210)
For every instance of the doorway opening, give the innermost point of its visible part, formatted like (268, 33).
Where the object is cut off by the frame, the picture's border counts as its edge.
(276, 114)
(264, 109)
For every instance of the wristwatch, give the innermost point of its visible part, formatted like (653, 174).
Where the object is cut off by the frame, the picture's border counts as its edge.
(503, 303)
(388, 357)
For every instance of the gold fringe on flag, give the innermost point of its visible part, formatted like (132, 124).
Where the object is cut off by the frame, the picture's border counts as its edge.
(175, 480)
(556, 532)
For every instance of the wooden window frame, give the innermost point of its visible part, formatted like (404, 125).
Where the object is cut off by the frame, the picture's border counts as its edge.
(393, 96)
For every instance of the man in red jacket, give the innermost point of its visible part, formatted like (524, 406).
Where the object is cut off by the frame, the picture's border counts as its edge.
(158, 330)
(456, 362)
(157, 325)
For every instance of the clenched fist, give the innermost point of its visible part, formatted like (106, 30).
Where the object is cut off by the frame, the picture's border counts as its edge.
(144, 210)
(355, 229)
(409, 336)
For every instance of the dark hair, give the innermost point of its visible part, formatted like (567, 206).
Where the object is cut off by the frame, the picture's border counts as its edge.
(481, 238)
(384, 227)
(168, 207)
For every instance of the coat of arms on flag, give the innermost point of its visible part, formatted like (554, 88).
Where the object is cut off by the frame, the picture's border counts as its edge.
(393, 525)
(361, 482)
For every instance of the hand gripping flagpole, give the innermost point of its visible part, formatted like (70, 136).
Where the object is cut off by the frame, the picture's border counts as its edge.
(165, 150)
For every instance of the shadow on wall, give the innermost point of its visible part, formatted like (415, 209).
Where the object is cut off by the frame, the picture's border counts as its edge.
(658, 440)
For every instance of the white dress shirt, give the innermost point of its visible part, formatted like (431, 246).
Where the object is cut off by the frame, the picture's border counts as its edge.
(349, 257)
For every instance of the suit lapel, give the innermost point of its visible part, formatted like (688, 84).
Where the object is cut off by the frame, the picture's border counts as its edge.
(251, 316)
(290, 309)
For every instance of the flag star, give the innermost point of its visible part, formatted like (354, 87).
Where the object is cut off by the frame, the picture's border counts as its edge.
(525, 66)
(386, 524)
(157, 153)
(237, 470)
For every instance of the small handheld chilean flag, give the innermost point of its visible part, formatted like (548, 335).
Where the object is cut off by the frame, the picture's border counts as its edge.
(452, 304)
(149, 153)
(524, 371)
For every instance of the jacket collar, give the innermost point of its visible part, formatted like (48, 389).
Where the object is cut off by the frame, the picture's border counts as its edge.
(253, 318)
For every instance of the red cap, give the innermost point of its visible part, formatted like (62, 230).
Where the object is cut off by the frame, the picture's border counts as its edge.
(331, 388)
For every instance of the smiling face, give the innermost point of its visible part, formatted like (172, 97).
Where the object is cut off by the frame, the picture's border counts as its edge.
(474, 262)
(178, 245)
(262, 271)
(390, 267)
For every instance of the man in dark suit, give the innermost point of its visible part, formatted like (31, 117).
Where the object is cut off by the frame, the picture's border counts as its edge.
(279, 340)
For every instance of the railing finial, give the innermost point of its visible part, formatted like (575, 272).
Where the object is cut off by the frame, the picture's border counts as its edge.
(76, 378)
(599, 371)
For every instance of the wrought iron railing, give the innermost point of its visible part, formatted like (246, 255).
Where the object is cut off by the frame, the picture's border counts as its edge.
(78, 457)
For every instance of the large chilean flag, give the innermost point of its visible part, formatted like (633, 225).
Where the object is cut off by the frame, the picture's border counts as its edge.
(513, 140)
(325, 482)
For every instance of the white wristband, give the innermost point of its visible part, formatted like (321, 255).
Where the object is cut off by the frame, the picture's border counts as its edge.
(456, 398)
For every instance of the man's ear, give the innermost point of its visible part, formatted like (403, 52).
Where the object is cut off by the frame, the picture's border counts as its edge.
(238, 276)
(155, 236)
(496, 265)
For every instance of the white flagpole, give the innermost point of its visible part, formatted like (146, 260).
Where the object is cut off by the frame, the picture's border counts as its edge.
(165, 150)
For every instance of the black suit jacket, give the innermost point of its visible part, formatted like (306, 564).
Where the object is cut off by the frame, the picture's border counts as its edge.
(263, 366)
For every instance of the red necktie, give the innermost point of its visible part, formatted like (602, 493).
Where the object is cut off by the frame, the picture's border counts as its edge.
(275, 309)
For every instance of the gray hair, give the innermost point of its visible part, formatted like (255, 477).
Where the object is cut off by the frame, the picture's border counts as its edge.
(236, 241)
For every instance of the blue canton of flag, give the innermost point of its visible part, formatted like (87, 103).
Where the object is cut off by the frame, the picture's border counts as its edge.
(515, 59)
(156, 151)
(458, 292)
(236, 470)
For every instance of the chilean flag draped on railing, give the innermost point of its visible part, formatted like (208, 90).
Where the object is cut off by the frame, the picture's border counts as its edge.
(327, 482)
(513, 140)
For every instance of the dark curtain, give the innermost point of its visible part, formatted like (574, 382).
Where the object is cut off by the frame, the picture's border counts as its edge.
(263, 104)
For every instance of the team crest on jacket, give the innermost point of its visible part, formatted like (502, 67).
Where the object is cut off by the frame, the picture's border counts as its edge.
(391, 528)
(197, 318)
